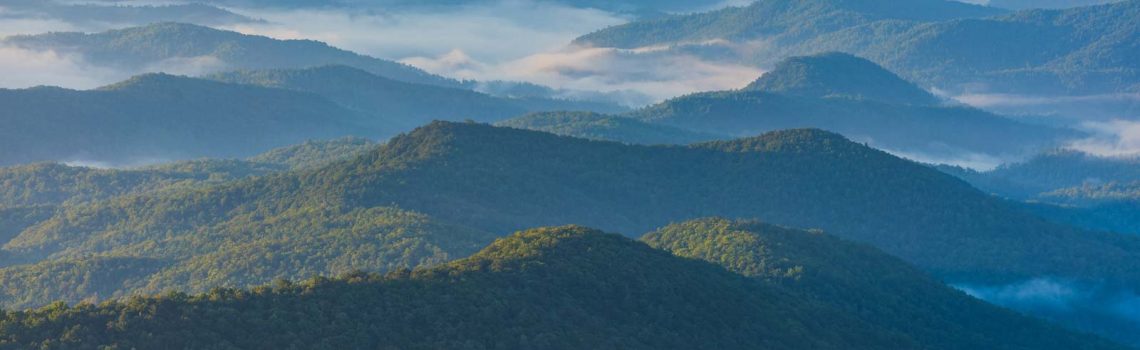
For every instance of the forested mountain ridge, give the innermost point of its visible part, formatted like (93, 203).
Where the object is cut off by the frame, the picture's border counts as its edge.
(604, 127)
(442, 170)
(157, 116)
(433, 195)
(409, 105)
(148, 45)
(1083, 50)
(1048, 176)
(878, 289)
(198, 50)
(564, 287)
(781, 19)
(836, 74)
(836, 92)
(52, 184)
(94, 12)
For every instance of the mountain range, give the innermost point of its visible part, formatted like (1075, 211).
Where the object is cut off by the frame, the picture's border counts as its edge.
(952, 46)
(96, 13)
(561, 287)
(157, 117)
(167, 45)
(837, 92)
(429, 196)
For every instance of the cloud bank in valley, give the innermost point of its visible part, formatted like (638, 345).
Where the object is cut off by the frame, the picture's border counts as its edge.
(1052, 297)
(508, 40)
(1114, 138)
(656, 74)
(21, 68)
(519, 40)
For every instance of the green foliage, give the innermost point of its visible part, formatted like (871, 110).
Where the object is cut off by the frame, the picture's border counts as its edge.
(878, 289)
(454, 173)
(312, 154)
(82, 279)
(14, 220)
(447, 179)
(58, 184)
(605, 127)
(554, 288)
(242, 251)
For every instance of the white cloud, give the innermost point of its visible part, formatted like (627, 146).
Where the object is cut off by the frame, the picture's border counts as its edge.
(522, 40)
(659, 74)
(972, 160)
(1052, 296)
(517, 40)
(189, 66)
(20, 68)
(1111, 139)
(489, 32)
(1013, 100)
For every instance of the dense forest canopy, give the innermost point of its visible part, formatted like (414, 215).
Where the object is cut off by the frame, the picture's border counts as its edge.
(561, 287)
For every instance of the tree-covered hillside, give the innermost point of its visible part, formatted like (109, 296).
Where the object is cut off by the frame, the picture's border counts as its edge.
(879, 289)
(51, 184)
(837, 74)
(451, 172)
(433, 194)
(596, 126)
(551, 288)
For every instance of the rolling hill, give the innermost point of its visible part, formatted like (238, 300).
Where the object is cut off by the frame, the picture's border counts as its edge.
(878, 289)
(52, 184)
(554, 288)
(837, 74)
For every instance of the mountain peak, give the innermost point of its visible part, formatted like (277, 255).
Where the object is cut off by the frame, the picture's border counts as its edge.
(836, 74)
